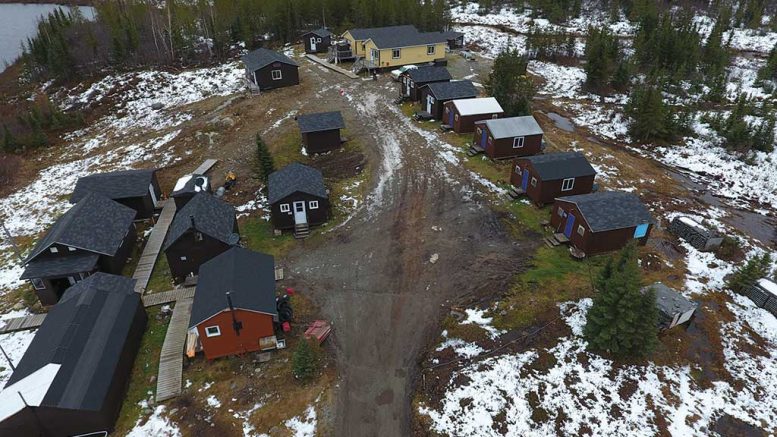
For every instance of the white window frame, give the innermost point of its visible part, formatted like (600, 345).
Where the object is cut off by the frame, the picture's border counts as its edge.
(430, 49)
(560, 212)
(518, 142)
(198, 236)
(518, 169)
(494, 116)
(183, 258)
(209, 333)
(456, 117)
(73, 249)
(398, 53)
(568, 184)
(53, 249)
(313, 204)
(581, 230)
(36, 282)
(533, 181)
(318, 39)
(285, 207)
(280, 74)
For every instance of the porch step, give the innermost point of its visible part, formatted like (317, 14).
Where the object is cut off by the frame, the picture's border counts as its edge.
(301, 230)
(474, 149)
(561, 238)
(515, 192)
(445, 127)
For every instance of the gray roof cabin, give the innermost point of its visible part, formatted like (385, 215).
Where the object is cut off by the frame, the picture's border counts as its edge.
(295, 177)
(555, 166)
(608, 210)
(455, 89)
(673, 308)
(513, 127)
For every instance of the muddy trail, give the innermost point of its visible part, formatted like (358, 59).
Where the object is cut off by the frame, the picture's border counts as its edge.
(375, 278)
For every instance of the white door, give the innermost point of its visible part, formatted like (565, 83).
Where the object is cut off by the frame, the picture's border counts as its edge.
(409, 83)
(429, 103)
(153, 193)
(299, 213)
(313, 43)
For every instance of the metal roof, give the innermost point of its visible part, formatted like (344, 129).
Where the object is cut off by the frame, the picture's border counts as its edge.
(670, 301)
(262, 57)
(320, 121)
(96, 224)
(513, 127)
(292, 178)
(114, 185)
(555, 166)
(191, 183)
(248, 276)
(65, 265)
(429, 74)
(455, 89)
(213, 217)
(608, 210)
(482, 105)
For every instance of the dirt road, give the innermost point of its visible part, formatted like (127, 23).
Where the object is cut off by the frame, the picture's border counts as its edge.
(375, 279)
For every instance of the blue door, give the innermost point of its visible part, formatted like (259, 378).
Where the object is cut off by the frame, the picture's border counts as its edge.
(641, 230)
(450, 118)
(570, 224)
(525, 181)
(483, 139)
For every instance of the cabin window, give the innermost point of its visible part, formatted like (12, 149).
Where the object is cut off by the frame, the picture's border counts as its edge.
(53, 249)
(198, 236)
(518, 169)
(183, 258)
(429, 50)
(480, 132)
(276, 75)
(517, 142)
(560, 212)
(456, 117)
(212, 331)
(318, 39)
(568, 184)
(396, 53)
(285, 207)
(494, 116)
(581, 230)
(313, 204)
(533, 182)
(72, 249)
(38, 284)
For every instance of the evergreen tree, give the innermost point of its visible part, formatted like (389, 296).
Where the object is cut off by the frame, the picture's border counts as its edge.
(648, 114)
(622, 319)
(602, 55)
(714, 55)
(9, 142)
(754, 269)
(510, 85)
(304, 362)
(264, 160)
(769, 71)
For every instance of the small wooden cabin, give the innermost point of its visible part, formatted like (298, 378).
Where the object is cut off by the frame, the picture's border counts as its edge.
(412, 80)
(545, 177)
(321, 131)
(268, 69)
(508, 137)
(298, 198)
(73, 377)
(673, 308)
(434, 95)
(317, 41)
(137, 189)
(201, 230)
(601, 222)
(234, 309)
(187, 186)
(461, 115)
(96, 234)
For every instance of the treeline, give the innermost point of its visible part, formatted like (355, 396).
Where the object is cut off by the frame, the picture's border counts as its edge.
(32, 127)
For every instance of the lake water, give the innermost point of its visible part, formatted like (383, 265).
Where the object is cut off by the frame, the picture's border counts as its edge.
(19, 21)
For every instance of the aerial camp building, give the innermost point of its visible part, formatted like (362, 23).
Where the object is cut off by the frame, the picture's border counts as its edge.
(461, 115)
(508, 137)
(545, 177)
(601, 222)
(434, 95)
(268, 69)
(321, 131)
(187, 186)
(673, 308)
(73, 377)
(137, 189)
(298, 198)
(412, 80)
(234, 309)
(201, 230)
(317, 41)
(455, 39)
(96, 234)
(394, 46)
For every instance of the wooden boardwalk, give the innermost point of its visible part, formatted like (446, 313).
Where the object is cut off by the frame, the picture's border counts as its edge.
(154, 244)
(154, 299)
(170, 376)
(22, 323)
(205, 166)
(324, 63)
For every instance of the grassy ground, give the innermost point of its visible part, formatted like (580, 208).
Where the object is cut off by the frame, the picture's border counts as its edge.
(161, 279)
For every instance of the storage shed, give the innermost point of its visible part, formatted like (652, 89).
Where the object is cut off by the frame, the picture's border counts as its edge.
(764, 294)
(234, 309)
(73, 377)
(187, 186)
(317, 41)
(201, 230)
(601, 222)
(508, 137)
(298, 198)
(96, 234)
(321, 131)
(411, 81)
(268, 69)
(137, 189)
(543, 178)
(455, 39)
(434, 95)
(461, 115)
(695, 233)
(673, 308)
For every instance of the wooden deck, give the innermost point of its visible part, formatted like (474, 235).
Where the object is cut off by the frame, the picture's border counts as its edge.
(333, 67)
(169, 378)
(205, 166)
(22, 323)
(154, 299)
(153, 246)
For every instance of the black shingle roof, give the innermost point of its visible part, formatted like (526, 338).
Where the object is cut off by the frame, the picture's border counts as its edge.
(429, 74)
(61, 265)
(95, 223)
(248, 276)
(608, 210)
(323, 33)
(363, 34)
(455, 89)
(85, 333)
(407, 39)
(295, 177)
(452, 35)
(114, 185)
(212, 217)
(555, 166)
(262, 57)
(320, 121)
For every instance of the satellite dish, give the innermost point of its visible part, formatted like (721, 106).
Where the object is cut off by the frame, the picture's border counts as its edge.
(233, 239)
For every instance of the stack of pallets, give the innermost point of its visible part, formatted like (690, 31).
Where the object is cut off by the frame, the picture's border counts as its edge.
(695, 234)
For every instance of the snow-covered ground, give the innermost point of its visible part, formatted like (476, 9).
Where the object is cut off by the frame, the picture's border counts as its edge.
(14, 344)
(157, 425)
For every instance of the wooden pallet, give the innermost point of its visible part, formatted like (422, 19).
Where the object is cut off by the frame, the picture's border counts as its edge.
(153, 246)
(169, 379)
(32, 321)
(332, 67)
(154, 299)
(205, 166)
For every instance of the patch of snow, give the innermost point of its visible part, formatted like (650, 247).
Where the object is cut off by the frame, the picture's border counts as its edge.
(463, 349)
(157, 425)
(213, 402)
(478, 317)
(303, 426)
(14, 344)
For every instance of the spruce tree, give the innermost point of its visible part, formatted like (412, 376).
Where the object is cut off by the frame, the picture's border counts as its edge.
(648, 114)
(9, 142)
(304, 362)
(754, 269)
(622, 319)
(602, 54)
(264, 161)
(769, 71)
(510, 85)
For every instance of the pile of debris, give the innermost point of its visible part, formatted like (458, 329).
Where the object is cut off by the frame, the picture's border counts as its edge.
(695, 234)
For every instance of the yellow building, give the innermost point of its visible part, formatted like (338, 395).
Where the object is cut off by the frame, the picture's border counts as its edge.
(388, 47)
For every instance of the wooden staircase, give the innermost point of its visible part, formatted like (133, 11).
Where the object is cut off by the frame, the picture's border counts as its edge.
(556, 239)
(515, 192)
(301, 230)
(475, 149)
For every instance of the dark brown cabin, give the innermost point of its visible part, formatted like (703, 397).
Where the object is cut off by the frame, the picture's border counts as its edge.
(601, 222)
(543, 178)
(508, 137)
(187, 186)
(201, 230)
(137, 189)
(268, 69)
(321, 131)
(317, 41)
(461, 115)
(411, 81)
(434, 95)
(96, 234)
(298, 198)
